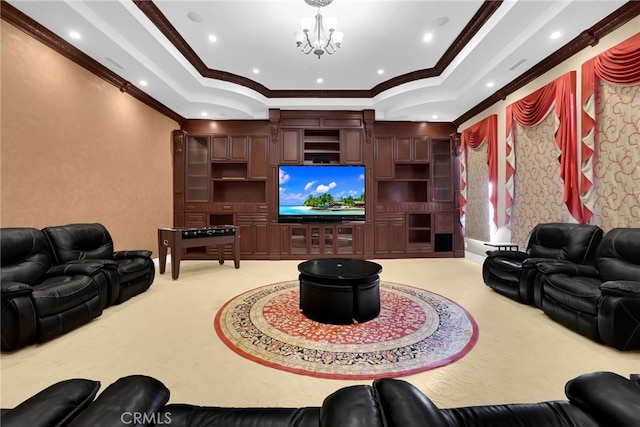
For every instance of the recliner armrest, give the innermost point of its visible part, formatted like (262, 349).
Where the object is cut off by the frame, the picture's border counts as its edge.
(141, 253)
(515, 255)
(86, 268)
(568, 268)
(56, 405)
(403, 405)
(610, 398)
(621, 288)
(353, 406)
(15, 289)
(135, 395)
(533, 262)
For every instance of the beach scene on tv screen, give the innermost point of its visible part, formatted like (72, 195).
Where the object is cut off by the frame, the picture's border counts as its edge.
(321, 190)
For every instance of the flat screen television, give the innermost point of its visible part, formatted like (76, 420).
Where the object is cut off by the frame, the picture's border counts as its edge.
(321, 193)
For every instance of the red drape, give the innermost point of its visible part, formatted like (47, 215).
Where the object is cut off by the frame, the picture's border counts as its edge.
(476, 135)
(619, 65)
(533, 108)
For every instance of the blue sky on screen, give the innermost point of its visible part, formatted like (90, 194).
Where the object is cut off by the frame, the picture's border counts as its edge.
(298, 182)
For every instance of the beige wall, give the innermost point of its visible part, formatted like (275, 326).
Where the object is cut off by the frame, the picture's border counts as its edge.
(572, 64)
(76, 149)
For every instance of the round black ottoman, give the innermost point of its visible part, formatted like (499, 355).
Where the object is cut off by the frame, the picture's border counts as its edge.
(339, 291)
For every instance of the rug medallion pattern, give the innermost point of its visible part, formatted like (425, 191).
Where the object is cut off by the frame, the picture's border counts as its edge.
(416, 331)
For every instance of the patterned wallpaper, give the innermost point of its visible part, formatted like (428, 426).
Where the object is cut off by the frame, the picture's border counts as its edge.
(617, 156)
(478, 217)
(538, 187)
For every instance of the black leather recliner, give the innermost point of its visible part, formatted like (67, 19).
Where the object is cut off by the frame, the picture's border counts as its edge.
(513, 273)
(594, 400)
(130, 272)
(600, 301)
(39, 299)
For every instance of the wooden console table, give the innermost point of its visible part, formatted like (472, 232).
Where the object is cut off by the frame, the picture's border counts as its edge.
(179, 238)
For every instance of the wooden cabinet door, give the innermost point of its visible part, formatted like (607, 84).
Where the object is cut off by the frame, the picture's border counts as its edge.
(390, 237)
(254, 233)
(384, 157)
(258, 156)
(403, 149)
(197, 170)
(351, 142)
(291, 147)
(261, 232)
(383, 242)
(238, 148)
(398, 240)
(219, 148)
(421, 149)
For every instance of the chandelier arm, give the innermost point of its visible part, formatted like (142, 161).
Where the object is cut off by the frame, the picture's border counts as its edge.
(329, 41)
(306, 47)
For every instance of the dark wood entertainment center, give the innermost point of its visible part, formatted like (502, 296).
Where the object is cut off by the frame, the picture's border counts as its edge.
(227, 172)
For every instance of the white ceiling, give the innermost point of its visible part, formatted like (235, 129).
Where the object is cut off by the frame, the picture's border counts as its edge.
(379, 34)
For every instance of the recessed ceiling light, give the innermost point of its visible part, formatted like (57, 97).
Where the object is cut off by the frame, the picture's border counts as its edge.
(555, 35)
(212, 38)
(319, 81)
(256, 71)
(380, 71)
(491, 84)
(74, 35)
(195, 17)
(204, 114)
(439, 22)
(143, 82)
(427, 37)
(435, 116)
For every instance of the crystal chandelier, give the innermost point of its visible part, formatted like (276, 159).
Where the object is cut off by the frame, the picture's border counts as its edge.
(320, 38)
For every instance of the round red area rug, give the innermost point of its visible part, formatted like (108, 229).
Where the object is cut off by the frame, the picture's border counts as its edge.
(416, 330)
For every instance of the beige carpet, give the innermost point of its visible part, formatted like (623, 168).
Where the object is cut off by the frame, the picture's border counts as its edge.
(167, 332)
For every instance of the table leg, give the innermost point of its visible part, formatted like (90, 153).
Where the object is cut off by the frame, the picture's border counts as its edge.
(176, 252)
(236, 250)
(221, 254)
(162, 253)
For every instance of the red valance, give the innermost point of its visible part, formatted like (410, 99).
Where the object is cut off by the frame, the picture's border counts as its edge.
(618, 65)
(474, 137)
(531, 110)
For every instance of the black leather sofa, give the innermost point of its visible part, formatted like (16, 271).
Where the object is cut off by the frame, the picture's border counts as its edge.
(602, 300)
(43, 297)
(595, 399)
(513, 273)
(129, 272)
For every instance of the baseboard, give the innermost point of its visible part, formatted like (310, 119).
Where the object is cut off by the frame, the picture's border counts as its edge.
(474, 257)
(156, 261)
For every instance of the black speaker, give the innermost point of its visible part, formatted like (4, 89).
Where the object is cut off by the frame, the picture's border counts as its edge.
(321, 160)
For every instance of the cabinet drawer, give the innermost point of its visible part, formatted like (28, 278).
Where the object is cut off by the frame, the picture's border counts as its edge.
(390, 217)
(252, 218)
(194, 219)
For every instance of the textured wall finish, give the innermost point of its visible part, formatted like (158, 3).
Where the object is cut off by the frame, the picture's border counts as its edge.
(76, 149)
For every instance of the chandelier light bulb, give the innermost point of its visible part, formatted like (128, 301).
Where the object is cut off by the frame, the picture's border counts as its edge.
(337, 37)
